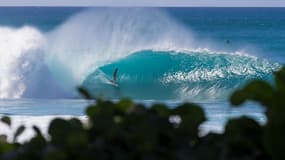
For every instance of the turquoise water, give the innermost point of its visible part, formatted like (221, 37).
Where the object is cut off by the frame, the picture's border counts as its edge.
(165, 55)
(194, 76)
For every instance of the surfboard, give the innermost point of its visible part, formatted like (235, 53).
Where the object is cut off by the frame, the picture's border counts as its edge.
(113, 84)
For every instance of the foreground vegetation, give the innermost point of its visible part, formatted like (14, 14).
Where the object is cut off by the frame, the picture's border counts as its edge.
(125, 130)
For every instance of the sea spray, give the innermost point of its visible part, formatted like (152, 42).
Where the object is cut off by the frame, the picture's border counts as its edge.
(21, 55)
(23, 69)
(99, 36)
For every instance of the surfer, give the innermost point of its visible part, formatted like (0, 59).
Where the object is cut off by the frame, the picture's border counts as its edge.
(115, 77)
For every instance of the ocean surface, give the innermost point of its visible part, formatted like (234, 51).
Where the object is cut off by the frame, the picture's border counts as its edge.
(163, 55)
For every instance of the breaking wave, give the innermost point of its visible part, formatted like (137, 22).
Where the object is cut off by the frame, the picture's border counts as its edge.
(195, 76)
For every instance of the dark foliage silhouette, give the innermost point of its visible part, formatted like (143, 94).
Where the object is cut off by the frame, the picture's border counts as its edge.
(125, 130)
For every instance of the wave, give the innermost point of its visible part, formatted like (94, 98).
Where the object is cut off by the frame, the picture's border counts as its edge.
(161, 75)
(99, 36)
(157, 57)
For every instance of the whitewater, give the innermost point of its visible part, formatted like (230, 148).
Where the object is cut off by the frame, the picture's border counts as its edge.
(158, 58)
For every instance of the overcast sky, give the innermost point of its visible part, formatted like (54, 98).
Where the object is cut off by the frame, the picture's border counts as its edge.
(217, 3)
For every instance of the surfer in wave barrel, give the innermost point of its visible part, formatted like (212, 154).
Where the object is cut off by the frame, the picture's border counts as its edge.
(114, 81)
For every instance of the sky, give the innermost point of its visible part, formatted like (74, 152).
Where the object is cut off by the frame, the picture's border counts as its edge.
(194, 3)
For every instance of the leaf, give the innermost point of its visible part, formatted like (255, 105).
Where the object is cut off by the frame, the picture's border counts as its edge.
(58, 129)
(161, 109)
(257, 90)
(61, 130)
(237, 98)
(125, 105)
(91, 111)
(19, 131)
(194, 112)
(243, 126)
(57, 154)
(280, 79)
(37, 130)
(6, 120)
(191, 117)
(84, 93)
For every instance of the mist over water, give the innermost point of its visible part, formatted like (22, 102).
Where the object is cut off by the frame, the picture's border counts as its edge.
(96, 37)
(157, 57)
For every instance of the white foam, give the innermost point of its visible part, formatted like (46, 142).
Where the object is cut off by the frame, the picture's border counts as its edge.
(20, 56)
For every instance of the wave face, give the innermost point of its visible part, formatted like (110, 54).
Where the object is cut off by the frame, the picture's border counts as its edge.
(196, 75)
(157, 57)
